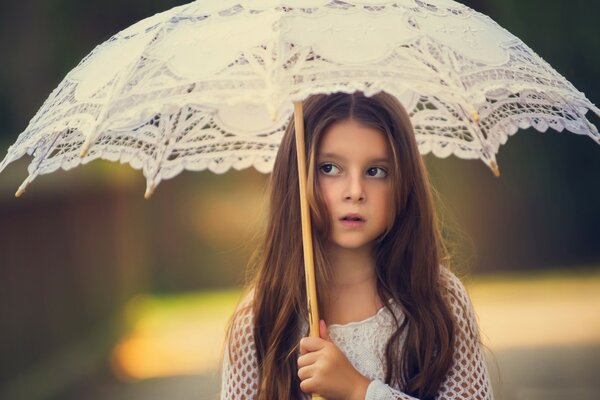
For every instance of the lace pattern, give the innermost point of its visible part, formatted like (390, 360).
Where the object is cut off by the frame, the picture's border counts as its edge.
(210, 85)
(363, 343)
(240, 367)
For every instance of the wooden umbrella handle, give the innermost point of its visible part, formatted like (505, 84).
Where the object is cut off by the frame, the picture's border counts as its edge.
(309, 267)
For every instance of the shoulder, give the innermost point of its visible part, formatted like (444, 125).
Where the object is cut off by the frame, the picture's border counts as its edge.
(467, 377)
(244, 314)
(241, 325)
(246, 301)
(459, 302)
(240, 365)
(453, 287)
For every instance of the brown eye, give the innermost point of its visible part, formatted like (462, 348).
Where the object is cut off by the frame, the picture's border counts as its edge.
(377, 172)
(329, 169)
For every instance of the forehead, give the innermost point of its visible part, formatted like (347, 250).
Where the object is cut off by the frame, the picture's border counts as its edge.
(351, 139)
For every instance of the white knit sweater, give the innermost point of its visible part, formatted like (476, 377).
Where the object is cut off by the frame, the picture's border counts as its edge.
(363, 343)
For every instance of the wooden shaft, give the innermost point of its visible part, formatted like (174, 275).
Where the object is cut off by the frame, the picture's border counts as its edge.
(309, 266)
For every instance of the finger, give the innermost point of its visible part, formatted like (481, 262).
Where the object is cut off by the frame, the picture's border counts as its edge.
(306, 372)
(309, 344)
(323, 331)
(307, 359)
(309, 385)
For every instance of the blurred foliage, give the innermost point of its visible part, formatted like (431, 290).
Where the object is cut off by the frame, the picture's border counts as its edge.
(173, 334)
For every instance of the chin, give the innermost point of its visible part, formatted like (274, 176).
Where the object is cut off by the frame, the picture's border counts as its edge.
(351, 244)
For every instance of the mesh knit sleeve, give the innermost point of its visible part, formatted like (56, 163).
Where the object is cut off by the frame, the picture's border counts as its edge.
(239, 380)
(468, 377)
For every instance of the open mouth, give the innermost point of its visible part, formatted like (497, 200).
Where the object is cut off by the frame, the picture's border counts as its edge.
(352, 218)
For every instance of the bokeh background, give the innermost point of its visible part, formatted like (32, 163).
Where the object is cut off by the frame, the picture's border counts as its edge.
(104, 294)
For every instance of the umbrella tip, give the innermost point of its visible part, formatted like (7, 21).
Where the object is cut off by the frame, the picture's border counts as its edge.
(149, 191)
(21, 190)
(475, 116)
(85, 147)
(495, 168)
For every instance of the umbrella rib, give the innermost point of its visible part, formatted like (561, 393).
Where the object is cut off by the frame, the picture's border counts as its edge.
(35, 172)
(118, 85)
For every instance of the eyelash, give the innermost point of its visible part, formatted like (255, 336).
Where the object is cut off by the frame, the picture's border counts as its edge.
(368, 169)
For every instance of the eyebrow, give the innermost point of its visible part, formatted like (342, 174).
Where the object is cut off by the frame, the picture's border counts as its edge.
(340, 157)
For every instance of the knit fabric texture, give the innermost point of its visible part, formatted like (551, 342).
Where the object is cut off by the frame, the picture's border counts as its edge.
(363, 343)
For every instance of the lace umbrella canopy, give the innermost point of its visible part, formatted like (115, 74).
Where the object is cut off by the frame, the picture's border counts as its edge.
(211, 84)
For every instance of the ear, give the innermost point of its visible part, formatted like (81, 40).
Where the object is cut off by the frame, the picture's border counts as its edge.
(323, 332)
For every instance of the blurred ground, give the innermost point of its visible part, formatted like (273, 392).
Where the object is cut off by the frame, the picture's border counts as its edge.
(543, 331)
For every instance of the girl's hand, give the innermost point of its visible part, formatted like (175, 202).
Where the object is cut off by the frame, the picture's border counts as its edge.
(324, 369)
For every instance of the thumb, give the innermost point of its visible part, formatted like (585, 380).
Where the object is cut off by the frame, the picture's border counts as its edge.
(323, 332)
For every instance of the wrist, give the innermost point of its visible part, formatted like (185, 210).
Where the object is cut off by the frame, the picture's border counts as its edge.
(359, 390)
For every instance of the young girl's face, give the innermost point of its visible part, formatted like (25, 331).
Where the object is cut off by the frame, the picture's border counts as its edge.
(354, 162)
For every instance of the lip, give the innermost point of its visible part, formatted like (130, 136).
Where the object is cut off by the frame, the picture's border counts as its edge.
(348, 222)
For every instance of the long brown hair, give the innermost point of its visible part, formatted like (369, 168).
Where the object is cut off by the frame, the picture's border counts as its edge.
(408, 256)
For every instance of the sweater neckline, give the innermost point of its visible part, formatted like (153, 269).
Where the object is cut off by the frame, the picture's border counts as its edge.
(361, 322)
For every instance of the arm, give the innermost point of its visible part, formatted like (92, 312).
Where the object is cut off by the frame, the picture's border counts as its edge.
(239, 379)
(468, 377)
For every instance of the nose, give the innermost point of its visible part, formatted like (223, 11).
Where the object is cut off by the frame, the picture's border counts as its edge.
(354, 190)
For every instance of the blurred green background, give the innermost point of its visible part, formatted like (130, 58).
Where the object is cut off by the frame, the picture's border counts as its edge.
(106, 295)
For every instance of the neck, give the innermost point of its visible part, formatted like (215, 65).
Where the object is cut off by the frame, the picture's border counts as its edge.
(351, 267)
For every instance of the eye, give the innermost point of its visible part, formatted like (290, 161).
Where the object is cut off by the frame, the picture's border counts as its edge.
(329, 169)
(377, 172)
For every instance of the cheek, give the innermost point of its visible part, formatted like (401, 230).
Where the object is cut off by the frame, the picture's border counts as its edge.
(327, 191)
(326, 207)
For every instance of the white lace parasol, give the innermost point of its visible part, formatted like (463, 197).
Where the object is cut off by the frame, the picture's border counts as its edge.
(210, 85)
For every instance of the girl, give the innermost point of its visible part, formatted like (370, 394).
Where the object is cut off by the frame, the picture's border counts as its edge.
(396, 324)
